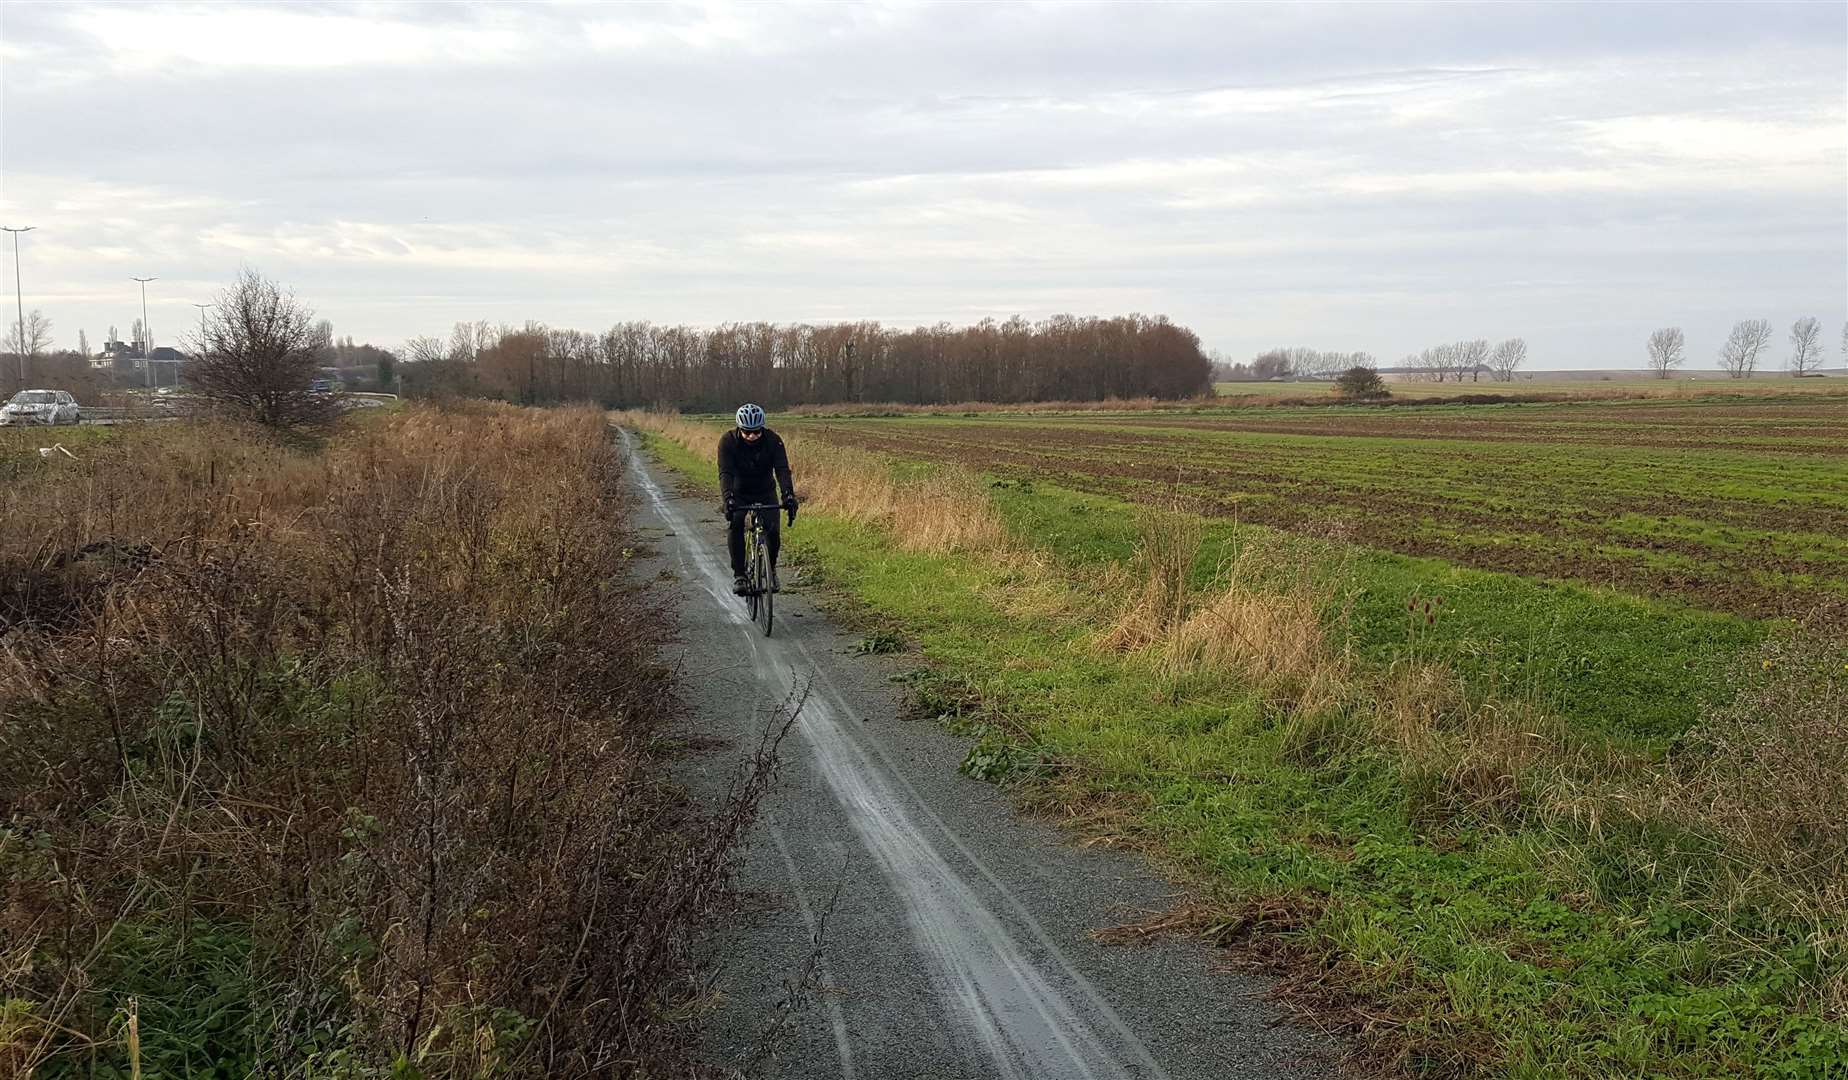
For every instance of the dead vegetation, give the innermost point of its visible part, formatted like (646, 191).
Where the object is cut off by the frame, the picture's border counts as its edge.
(345, 763)
(942, 511)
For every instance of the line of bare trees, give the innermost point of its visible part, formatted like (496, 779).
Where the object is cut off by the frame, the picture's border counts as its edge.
(1467, 361)
(1745, 348)
(1295, 362)
(1063, 358)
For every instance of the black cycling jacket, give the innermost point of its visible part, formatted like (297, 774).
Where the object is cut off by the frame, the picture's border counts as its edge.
(746, 469)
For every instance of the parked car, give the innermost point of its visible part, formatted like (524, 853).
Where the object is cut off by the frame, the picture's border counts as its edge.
(47, 407)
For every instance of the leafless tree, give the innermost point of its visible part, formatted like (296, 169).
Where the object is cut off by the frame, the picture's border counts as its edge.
(1667, 351)
(1747, 342)
(1435, 362)
(1270, 365)
(1805, 346)
(424, 349)
(258, 355)
(83, 344)
(37, 329)
(467, 341)
(1469, 358)
(1063, 357)
(1320, 364)
(1508, 358)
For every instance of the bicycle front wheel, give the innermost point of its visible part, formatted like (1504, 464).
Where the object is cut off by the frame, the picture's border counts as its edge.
(766, 599)
(750, 592)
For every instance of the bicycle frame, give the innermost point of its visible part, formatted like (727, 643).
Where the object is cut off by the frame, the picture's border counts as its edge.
(760, 600)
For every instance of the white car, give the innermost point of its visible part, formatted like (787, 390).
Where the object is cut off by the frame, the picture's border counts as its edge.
(48, 407)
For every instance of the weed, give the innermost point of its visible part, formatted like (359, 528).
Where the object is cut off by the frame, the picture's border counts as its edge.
(879, 643)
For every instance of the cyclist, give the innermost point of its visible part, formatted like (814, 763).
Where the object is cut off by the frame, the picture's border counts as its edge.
(752, 465)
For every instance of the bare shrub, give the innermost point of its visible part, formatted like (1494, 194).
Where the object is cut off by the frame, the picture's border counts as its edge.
(258, 356)
(365, 744)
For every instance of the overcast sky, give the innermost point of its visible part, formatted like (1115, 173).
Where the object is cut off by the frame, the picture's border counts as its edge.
(1378, 177)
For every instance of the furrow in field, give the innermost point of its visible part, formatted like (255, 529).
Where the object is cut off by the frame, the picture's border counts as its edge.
(1743, 531)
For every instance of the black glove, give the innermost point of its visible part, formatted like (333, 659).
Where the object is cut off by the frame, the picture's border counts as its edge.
(789, 504)
(726, 508)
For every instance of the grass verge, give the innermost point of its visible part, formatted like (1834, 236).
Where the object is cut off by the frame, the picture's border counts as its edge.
(1478, 886)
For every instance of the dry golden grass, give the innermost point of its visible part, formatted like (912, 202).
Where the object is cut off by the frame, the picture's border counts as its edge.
(1261, 634)
(944, 511)
(1154, 598)
(1267, 617)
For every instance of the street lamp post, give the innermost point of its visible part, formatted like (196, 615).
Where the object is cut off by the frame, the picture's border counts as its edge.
(201, 307)
(147, 332)
(19, 296)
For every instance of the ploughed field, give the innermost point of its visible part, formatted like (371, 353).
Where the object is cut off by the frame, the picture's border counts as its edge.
(1738, 505)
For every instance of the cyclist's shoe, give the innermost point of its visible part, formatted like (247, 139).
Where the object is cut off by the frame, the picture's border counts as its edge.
(741, 585)
(775, 585)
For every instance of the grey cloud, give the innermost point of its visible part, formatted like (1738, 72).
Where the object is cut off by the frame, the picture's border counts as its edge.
(1368, 177)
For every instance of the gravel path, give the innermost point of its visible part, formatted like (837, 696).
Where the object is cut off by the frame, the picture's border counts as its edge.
(958, 940)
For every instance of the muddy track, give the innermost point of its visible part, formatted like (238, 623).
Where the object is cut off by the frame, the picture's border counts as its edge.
(959, 944)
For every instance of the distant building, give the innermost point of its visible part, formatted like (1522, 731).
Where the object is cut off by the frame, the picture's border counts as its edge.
(130, 358)
(118, 356)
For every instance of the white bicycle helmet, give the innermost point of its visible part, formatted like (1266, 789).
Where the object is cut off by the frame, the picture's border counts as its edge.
(750, 417)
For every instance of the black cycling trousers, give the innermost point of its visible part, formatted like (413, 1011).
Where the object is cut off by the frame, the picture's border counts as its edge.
(773, 535)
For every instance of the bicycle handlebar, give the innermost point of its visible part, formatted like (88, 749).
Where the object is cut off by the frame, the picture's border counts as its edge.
(738, 507)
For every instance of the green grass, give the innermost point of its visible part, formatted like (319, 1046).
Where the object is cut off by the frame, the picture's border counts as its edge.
(1509, 950)
(1620, 664)
(19, 447)
(1735, 505)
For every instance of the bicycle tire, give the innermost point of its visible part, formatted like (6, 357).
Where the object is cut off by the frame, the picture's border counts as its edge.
(750, 593)
(766, 598)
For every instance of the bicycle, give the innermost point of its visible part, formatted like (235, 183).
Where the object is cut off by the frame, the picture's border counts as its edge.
(760, 599)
